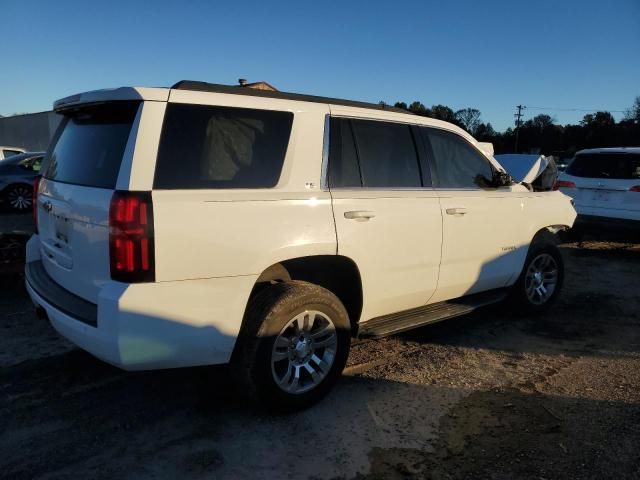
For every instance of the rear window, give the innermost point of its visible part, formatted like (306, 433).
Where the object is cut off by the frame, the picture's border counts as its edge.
(89, 145)
(606, 165)
(221, 147)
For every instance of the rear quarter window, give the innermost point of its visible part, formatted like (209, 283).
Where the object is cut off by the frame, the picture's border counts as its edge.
(206, 147)
(89, 145)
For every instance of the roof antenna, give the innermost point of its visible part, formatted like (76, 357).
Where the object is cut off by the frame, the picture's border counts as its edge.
(242, 82)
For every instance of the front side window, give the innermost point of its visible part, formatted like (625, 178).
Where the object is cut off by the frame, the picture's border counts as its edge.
(458, 164)
(387, 154)
(221, 147)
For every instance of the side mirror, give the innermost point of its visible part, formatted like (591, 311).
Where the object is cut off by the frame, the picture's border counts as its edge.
(501, 179)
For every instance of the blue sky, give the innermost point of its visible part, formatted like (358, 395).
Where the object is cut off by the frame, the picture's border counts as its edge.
(491, 55)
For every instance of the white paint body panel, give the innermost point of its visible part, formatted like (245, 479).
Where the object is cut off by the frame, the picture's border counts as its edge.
(212, 245)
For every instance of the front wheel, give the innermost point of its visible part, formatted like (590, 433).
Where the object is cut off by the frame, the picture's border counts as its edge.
(541, 279)
(294, 345)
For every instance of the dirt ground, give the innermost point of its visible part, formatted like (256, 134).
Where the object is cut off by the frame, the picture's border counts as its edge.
(490, 395)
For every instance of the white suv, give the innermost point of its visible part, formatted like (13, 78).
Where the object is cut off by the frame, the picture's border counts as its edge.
(206, 224)
(605, 184)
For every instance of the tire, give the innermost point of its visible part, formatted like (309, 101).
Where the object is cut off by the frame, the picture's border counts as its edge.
(530, 299)
(272, 361)
(19, 197)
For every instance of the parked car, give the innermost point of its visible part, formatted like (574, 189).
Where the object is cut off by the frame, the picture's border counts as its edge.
(6, 152)
(207, 224)
(605, 185)
(17, 175)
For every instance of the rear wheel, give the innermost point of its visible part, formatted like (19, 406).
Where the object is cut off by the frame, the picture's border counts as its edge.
(19, 197)
(541, 279)
(294, 345)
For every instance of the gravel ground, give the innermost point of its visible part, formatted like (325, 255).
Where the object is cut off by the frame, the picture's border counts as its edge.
(489, 395)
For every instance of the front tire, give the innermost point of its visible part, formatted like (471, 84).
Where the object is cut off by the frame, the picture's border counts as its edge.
(293, 346)
(541, 279)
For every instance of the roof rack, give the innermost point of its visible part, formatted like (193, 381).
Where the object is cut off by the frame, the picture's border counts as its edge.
(235, 90)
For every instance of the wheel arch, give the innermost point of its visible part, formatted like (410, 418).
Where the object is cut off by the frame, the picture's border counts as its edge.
(337, 273)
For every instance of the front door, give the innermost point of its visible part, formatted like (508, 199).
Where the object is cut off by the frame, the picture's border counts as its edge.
(480, 250)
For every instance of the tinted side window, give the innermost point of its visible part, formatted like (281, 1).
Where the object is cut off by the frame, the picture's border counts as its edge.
(458, 164)
(387, 154)
(344, 170)
(221, 147)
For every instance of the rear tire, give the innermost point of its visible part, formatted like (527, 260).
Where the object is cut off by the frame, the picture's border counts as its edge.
(541, 279)
(293, 345)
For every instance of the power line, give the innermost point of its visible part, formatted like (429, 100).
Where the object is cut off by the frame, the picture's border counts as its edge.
(577, 109)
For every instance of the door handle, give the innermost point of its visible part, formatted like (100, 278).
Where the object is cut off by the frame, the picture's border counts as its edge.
(456, 211)
(360, 215)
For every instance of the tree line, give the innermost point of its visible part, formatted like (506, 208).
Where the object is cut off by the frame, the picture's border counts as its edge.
(541, 134)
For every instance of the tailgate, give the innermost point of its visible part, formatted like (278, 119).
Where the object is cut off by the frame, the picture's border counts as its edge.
(79, 177)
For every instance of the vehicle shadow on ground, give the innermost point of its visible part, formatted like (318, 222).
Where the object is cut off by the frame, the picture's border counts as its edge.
(592, 316)
(73, 415)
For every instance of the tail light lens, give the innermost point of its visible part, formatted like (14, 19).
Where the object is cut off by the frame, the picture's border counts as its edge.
(635, 188)
(131, 248)
(563, 184)
(34, 206)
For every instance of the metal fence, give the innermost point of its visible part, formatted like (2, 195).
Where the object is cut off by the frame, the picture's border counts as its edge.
(32, 131)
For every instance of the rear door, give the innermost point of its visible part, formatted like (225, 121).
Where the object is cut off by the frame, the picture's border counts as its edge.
(79, 176)
(606, 184)
(387, 215)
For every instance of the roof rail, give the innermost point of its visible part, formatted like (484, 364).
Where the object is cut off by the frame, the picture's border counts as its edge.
(234, 90)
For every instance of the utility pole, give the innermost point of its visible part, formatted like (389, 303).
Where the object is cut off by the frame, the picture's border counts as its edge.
(518, 116)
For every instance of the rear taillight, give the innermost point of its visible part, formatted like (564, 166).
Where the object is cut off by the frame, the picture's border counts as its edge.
(635, 188)
(36, 184)
(131, 249)
(563, 184)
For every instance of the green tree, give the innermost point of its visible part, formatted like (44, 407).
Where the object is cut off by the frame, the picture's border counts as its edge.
(442, 112)
(540, 122)
(401, 105)
(598, 119)
(419, 109)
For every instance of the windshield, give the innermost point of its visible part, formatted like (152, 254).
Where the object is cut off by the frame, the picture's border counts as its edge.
(89, 145)
(606, 165)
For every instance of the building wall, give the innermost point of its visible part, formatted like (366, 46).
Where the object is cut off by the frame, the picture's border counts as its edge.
(32, 131)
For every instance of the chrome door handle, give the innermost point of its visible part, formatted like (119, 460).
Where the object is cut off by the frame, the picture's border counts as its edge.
(456, 211)
(361, 215)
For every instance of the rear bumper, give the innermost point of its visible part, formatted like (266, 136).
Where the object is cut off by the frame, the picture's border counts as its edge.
(150, 325)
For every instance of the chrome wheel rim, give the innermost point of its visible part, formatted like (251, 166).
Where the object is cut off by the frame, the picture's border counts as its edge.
(304, 351)
(20, 198)
(541, 278)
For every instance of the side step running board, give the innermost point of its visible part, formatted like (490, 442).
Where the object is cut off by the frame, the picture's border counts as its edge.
(417, 317)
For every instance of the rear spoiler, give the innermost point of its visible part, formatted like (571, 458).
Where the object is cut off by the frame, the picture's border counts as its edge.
(111, 95)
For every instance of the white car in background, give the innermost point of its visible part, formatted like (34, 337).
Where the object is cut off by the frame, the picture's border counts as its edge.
(605, 185)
